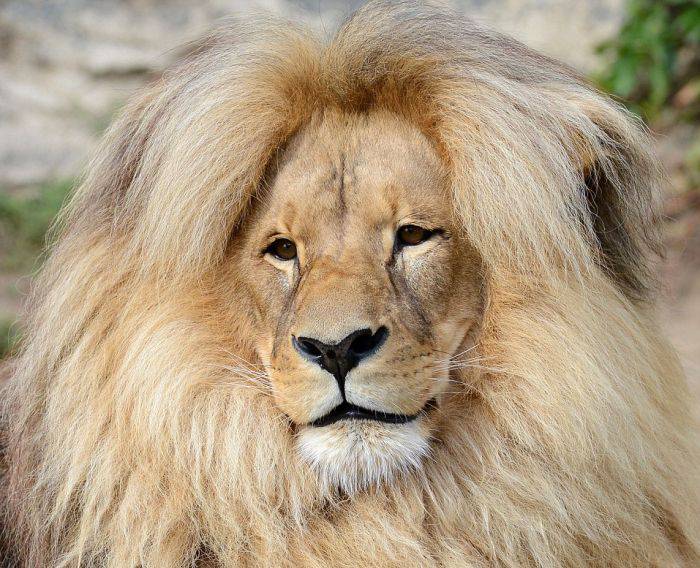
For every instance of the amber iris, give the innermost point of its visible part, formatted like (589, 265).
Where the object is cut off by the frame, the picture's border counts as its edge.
(283, 249)
(411, 235)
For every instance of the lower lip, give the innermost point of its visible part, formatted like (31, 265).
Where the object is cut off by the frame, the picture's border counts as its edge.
(347, 411)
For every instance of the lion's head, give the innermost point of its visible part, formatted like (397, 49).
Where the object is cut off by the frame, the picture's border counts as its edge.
(361, 288)
(384, 296)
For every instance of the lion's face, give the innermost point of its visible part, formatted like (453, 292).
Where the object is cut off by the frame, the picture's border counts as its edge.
(362, 289)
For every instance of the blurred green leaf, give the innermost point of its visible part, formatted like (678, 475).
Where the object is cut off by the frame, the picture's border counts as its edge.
(9, 337)
(654, 54)
(24, 221)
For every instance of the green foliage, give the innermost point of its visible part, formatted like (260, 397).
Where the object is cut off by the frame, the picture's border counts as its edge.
(656, 53)
(9, 336)
(24, 221)
(25, 218)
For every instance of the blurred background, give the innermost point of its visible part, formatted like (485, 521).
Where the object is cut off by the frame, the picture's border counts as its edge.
(67, 66)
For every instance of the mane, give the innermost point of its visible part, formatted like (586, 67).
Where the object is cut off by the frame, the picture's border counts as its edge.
(139, 432)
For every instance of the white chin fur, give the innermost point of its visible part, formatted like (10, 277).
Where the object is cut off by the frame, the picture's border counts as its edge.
(352, 455)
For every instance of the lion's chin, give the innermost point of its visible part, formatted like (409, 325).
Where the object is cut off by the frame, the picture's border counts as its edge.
(353, 455)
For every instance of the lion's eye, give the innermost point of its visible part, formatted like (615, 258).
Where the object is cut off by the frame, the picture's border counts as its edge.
(411, 235)
(283, 249)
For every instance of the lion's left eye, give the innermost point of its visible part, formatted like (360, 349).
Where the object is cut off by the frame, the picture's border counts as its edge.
(283, 249)
(412, 235)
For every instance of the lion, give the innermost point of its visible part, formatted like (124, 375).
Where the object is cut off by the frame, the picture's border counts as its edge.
(381, 299)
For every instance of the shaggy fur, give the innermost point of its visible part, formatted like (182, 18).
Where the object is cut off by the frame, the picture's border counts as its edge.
(132, 437)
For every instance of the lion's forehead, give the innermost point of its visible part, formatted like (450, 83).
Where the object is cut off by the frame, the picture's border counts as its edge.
(354, 177)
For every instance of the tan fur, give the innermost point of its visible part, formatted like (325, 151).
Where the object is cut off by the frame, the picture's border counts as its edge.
(141, 426)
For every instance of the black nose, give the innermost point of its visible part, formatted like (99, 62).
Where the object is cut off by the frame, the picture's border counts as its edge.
(339, 358)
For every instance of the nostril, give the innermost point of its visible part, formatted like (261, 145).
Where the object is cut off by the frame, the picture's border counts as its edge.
(363, 342)
(311, 349)
(307, 347)
(366, 341)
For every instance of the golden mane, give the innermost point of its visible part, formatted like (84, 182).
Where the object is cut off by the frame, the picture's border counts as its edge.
(132, 436)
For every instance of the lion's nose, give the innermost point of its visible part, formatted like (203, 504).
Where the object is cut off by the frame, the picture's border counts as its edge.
(339, 358)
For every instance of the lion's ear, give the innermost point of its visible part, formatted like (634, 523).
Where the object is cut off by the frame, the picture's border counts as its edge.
(621, 182)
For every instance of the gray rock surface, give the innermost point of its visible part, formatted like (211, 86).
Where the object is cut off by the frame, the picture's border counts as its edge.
(67, 65)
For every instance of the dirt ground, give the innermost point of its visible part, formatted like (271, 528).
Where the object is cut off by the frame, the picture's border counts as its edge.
(680, 271)
(680, 303)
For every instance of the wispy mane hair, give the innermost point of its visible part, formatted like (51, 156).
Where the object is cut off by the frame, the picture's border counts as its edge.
(128, 439)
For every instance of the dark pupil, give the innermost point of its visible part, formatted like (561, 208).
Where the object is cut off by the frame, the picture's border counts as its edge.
(284, 249)
(412, 235)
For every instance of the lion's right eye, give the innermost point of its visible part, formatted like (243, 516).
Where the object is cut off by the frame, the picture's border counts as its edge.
(283, 249)
(412, 235)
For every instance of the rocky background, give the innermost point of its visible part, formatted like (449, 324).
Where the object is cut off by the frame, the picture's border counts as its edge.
(66, 66)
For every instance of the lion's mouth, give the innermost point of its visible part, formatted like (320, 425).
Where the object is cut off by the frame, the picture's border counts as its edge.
(347, 411)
